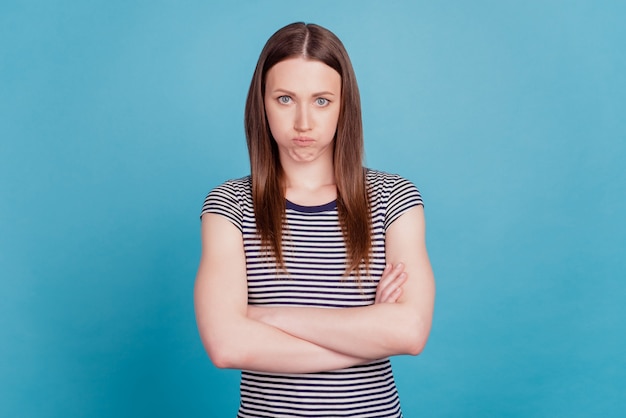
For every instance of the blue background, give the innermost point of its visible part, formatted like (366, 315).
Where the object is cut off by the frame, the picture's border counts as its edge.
(116, 119)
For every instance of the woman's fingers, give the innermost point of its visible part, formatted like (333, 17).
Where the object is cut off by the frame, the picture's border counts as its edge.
(382, 283)
(390, 285)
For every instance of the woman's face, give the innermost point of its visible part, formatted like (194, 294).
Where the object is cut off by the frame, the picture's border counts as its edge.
(302, 101)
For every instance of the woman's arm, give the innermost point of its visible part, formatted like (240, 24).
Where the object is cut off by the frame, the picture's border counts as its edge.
(233, 340)
(378, 330)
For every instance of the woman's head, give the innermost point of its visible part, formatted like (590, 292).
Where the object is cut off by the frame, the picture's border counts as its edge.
(314, 43)
(311, 42)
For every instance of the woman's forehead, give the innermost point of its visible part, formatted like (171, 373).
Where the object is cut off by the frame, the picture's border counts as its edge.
(299, 73)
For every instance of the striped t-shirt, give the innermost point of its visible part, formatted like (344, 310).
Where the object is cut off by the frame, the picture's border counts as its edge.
(315, 260)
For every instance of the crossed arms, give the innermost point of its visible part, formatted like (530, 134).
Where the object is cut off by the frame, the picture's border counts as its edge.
(303, 340)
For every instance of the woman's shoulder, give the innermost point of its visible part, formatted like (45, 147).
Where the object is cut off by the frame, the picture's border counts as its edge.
(231, 191)
(377, 178)
(389, 187)
(231, 199)
(236, 187)
(236, 184)
(391, 194)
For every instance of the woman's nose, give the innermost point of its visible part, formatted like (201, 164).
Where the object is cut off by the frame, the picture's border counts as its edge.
(303, 119)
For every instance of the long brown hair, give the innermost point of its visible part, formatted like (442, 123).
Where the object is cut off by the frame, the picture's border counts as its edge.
(268, 193)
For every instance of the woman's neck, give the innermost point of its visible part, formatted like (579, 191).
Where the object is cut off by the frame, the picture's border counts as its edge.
(310, 184)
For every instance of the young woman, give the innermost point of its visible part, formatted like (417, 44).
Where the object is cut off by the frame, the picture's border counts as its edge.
(314, 269)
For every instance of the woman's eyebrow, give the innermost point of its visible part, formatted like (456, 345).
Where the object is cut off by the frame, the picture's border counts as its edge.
(291, 93)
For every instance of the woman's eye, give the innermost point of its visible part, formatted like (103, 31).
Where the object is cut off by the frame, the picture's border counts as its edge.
(321, 101)
(284, 99)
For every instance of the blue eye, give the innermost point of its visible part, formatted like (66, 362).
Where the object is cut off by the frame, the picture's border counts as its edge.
(320, 101)
(284, 99)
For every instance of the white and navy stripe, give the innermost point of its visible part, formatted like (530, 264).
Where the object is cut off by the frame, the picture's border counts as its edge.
(315, 261)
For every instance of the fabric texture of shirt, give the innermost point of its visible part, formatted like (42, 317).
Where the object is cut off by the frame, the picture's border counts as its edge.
(315, 260)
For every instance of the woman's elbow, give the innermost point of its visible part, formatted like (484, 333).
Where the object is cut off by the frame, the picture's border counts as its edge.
(416, 346)
(222, 354)
(221, 359)
(416, 339)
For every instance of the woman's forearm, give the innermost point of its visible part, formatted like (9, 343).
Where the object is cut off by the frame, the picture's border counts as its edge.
(371, 332)
(252, 345)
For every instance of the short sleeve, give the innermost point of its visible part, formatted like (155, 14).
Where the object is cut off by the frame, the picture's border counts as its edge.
(402, 197)
(226, 200)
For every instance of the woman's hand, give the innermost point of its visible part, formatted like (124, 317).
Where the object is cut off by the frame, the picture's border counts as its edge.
(389, 287)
